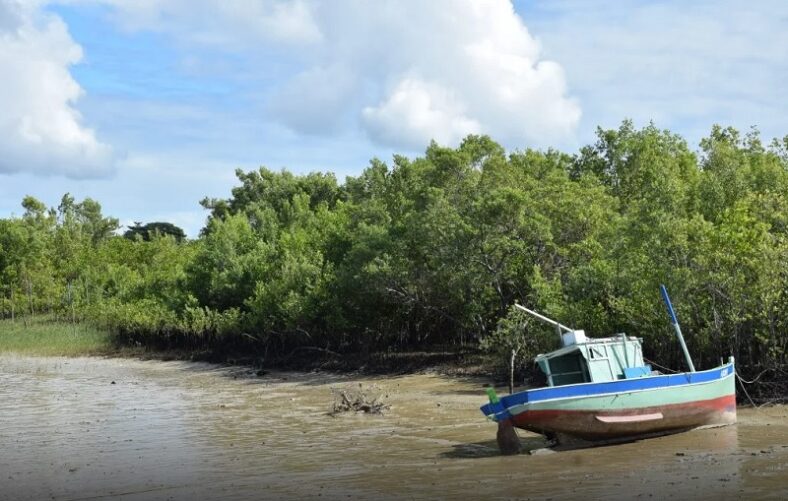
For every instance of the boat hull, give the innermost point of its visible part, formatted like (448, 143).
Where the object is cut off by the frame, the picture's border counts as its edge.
(624, 409)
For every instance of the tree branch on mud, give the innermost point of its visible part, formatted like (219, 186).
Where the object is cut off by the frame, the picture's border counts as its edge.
(356, 400)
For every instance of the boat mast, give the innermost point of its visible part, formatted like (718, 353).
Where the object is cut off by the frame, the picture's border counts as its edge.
(676, 327)
(543, 318)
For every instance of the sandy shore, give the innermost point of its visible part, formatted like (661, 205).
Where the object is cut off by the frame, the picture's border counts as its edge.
(92, 428)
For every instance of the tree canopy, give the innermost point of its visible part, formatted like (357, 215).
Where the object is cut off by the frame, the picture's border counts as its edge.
(434, 250)
(149, 230)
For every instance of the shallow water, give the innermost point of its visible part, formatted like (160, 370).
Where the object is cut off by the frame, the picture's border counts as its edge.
(176, 430)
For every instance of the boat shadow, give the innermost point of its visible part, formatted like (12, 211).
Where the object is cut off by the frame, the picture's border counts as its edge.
(489, 448)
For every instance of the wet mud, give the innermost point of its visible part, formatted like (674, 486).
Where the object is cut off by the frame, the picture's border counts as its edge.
(91, 428)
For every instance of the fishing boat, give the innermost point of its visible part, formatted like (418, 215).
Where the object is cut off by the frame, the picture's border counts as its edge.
(601, 391)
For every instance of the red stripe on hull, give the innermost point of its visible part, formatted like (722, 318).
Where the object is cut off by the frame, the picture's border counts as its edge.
(585, 425)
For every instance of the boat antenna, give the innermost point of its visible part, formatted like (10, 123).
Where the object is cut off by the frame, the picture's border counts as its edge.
(543, 318)
(676, 327)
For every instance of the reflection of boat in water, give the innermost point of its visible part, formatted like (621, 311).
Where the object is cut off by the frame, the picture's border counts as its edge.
(601, 390)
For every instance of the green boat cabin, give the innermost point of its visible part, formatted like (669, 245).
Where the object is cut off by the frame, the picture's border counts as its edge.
(587, 360)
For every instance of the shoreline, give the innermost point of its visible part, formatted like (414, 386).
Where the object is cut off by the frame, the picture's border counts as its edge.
(44, 337)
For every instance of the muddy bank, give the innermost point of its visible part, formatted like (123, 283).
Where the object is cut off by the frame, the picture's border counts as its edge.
(456, 362)
(89, 428)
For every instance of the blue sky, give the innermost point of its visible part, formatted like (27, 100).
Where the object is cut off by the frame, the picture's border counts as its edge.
(149, 106)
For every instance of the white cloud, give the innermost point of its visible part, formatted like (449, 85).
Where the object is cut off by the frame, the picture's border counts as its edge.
(405, 71)
(315, 100)
(40, 130)
(229, 23)
(416, 110)
(686, 65)
(443, 69)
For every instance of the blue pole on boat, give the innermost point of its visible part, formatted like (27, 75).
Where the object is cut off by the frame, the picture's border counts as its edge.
(676, 327)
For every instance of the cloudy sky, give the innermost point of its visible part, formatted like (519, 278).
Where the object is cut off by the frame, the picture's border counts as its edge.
(150, 105)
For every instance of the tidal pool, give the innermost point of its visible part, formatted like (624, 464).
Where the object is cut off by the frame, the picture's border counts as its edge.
(93, 428)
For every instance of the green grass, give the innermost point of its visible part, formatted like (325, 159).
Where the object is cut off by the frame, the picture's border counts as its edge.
(43, 336)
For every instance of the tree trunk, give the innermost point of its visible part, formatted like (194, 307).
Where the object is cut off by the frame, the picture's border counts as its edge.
(30, 297)
(73, 313)
(13, 312)
(29, 290)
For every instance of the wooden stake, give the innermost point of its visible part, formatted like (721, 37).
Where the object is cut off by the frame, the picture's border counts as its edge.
(511, 371)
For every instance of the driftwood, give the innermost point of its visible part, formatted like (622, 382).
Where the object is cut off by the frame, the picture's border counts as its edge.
(356, 400)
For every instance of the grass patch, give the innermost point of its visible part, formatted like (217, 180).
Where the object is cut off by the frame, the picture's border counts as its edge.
(46, 337)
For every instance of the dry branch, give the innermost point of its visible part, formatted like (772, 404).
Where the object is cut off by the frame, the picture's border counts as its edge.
(357, 399)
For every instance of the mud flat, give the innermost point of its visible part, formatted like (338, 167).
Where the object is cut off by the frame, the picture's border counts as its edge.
(93, 428)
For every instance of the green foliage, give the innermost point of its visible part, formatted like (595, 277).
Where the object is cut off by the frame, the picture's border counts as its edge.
(435, 250)
(149, 230)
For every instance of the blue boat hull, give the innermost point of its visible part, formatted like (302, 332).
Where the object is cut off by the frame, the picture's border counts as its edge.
(623, 409)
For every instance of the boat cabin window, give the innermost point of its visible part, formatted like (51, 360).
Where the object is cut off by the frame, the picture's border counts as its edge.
(568, 369)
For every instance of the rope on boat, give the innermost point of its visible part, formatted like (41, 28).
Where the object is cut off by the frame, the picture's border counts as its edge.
(659, 366)
(756, 378)
(741, 383)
